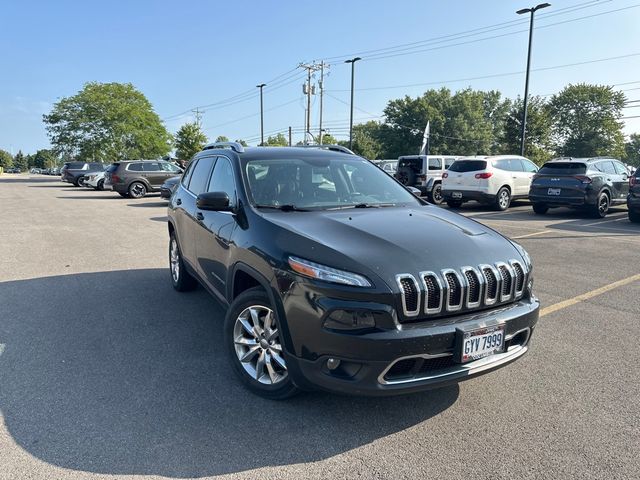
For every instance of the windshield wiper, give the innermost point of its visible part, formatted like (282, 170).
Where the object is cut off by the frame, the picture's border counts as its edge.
(365, 205)
(284, 208)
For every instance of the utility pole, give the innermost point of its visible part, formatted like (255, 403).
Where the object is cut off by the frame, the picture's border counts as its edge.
(310, 68)
(532, 11)
(321, 85)
(352, 62)
(261, 86)
(198, 114)
(289, 136)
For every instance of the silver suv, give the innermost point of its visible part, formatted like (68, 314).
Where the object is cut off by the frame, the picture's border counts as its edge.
(424, 172)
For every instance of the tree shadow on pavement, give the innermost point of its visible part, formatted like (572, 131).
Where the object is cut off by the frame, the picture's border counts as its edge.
(116, 373)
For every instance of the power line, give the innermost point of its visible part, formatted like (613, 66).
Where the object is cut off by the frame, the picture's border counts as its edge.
(250, 116)
(495, 75)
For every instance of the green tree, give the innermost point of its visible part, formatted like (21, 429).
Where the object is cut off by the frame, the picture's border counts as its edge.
(538, 136)
(469, 122)
(587, 121)
(278, 140)
(189, 140)
(222, 138)
(20, 161)
(107, 121)
(44, 159)
(6, 160)
(243, 143)
(632, 149)
(328, 139)
(366, 140)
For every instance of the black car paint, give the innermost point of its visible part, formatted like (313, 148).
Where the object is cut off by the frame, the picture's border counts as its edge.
(222, 248)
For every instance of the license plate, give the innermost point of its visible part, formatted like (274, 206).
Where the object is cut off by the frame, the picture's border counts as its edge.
(553, 191)
(456, 194)
(479, 343)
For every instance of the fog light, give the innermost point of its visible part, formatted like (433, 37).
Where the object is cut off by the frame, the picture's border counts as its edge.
(350, 320)
(333, 363)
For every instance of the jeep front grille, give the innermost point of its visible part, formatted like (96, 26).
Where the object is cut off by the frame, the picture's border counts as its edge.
(467, 288)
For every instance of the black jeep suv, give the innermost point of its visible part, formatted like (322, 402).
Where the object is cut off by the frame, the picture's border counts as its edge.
(593, 184)
(337, 277)
(75, 172)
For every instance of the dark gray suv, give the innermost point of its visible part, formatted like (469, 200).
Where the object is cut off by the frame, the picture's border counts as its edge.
(136, 178)
(593, 184)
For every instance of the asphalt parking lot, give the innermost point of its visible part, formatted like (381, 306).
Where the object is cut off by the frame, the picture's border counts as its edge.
(106, 372)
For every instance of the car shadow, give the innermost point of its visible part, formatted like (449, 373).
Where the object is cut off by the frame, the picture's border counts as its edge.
(96, 195)
(116, 373)
(160, 219)
(6, 179)
(162, 203)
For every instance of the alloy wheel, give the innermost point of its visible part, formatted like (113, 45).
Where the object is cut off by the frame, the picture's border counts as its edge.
(603, 205)
(257, 345)
(138, 190)
(437, 194)
(174, 260)
(504, 199)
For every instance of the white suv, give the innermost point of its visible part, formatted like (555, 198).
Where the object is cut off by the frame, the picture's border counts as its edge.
(494, 180)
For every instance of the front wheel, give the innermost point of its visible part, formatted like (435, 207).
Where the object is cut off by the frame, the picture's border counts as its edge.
(79, 182)
(254, 346)
(101, 185)
(540, 208)
(435, 196)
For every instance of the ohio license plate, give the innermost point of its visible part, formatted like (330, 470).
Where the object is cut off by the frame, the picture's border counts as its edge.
(456, 194)
(479, 343)
(553, 191)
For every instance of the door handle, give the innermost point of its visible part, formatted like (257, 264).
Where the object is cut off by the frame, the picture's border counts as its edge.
(179, 201)
(199, 216)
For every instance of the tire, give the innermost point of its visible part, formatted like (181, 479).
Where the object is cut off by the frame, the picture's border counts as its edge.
(181, 280)
(454, 203)
(435, 196)
(503, 199)
(123, 194)
(540, 208)
(406, 176)
(79, 181)
(601, 207)
(249, 334)
(137, 190)
(100, 185)
(634, 216)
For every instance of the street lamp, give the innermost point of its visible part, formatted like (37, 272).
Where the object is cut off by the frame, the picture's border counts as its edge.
(261, 86)
(352, 62)
(526, 82)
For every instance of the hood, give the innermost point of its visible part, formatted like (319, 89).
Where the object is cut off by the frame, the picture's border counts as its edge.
(389, 241)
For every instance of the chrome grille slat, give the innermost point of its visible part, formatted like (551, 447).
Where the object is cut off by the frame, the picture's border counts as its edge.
(468, 288)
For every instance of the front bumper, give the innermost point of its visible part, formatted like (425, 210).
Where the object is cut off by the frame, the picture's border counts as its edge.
(412, 357)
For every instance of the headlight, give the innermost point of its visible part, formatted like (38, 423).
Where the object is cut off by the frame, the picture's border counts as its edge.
(327, 274)
(525, 255)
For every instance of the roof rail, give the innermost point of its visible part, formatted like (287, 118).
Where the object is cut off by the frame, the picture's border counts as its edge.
(235, 146)
(333, 148)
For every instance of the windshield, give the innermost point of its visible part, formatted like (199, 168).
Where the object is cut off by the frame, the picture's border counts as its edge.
(321, 184)
(563, 168)
(468, 165)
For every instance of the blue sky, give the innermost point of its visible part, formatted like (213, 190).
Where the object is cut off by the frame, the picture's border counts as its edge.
(194, 53)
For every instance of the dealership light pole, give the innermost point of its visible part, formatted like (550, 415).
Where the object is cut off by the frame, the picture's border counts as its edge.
(261, 86)
(352, 62)
(532, 11)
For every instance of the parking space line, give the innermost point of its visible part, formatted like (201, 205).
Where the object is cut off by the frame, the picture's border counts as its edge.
(531, 234)
(600, 222)
(586, 296)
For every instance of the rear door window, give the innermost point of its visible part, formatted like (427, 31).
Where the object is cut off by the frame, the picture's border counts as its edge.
(151, 167)
(503, 164)
(187, 174)
(435, 164)
(607, 167)
(135, 167)
(462, 166)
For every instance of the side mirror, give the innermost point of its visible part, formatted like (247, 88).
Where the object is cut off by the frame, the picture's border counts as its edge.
(414, 190)
(216, 201)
